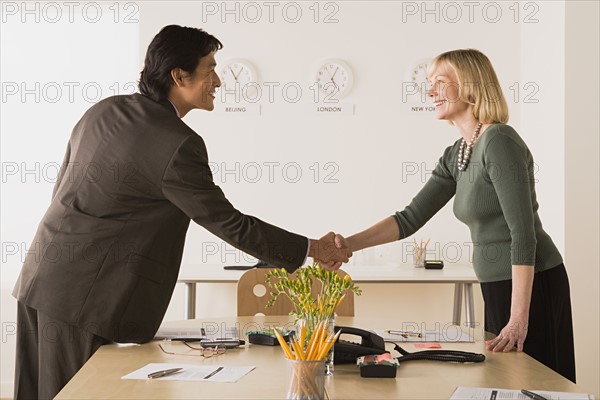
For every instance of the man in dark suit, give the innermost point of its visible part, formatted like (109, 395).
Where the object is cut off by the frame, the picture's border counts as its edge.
(108, 250)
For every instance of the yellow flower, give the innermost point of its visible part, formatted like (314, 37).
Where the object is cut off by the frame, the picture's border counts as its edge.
(308, 305)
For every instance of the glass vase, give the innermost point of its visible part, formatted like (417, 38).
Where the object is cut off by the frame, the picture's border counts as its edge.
(310, 326)
(306, 380)
(329, 357)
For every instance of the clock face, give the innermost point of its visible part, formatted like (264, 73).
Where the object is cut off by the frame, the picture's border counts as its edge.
(418, 76)
(239, 77)
(334, 78)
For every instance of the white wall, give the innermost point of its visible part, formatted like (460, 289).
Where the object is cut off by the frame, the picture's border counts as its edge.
(582, 149)
(370, 150)
(55, 63)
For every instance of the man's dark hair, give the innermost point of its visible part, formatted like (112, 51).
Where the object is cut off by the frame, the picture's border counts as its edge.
(173, 47)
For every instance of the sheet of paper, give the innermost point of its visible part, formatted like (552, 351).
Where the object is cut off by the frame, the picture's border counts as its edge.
(464, 393)
(196, 332)
(192, 372)
(453, 334)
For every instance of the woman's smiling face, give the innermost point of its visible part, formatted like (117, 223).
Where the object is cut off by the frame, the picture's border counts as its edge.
(444, 94)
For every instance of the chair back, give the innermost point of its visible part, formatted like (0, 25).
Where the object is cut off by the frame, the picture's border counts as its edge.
(253, 295)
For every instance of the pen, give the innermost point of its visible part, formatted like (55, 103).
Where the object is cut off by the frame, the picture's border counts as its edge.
(532, 395)
(165, 372)
(405, 333)
(213, 373)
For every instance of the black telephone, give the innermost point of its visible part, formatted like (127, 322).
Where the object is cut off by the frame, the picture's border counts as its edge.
(346, 352)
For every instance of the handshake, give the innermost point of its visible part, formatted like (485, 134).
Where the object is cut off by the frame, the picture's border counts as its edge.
(330, 251)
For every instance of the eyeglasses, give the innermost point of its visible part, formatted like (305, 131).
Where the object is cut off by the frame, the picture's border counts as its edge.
(201, 351)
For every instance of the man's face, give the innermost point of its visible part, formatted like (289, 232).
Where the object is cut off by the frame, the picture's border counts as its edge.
(199, 88)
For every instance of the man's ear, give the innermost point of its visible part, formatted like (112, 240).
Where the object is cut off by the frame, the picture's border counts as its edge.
(177, 75)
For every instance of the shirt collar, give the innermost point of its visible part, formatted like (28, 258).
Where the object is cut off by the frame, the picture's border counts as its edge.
(176, 110)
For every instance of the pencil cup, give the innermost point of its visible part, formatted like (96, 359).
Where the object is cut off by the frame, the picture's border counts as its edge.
(419, 257)
(306, 379)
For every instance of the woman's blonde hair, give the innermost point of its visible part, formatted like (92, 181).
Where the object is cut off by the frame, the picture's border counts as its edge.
(478, 84)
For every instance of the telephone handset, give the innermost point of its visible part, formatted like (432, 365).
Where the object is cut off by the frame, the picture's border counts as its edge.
(346, 352)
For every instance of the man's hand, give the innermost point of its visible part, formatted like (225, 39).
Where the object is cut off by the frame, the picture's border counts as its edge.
(340, 243)
(326, 252)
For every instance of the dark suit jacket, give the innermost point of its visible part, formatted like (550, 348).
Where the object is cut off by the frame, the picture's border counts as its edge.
(106, 255)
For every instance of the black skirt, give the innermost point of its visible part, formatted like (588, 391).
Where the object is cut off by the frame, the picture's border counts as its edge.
(550, 332)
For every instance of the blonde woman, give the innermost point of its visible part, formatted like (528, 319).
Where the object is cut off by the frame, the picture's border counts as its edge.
(489, 171)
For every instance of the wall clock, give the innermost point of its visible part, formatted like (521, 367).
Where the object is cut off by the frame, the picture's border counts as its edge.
(418, 76)
(238, 76)
(335, 78)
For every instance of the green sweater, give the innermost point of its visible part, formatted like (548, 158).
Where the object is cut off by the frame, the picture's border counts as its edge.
(495, 198)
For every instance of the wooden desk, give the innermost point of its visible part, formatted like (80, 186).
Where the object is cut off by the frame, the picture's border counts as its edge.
(462, 276)
(101, 376)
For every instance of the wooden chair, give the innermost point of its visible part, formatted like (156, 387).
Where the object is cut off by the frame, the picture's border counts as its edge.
(253, 296)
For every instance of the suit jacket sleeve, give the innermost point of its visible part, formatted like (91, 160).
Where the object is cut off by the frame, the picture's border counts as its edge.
(188, 184)
(63, 169)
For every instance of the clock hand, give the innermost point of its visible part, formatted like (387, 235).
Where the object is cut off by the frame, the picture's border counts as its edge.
(239, 72)
(329, 73)
(335, 72)
(332, 80)
(233, 73)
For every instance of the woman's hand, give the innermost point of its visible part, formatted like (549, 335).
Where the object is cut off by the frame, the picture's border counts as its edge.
(385, 231)
(341, 242)
(513, 334)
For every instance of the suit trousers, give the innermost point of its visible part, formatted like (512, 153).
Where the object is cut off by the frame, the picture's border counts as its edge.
(49, 353)
(550, 331)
